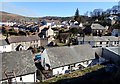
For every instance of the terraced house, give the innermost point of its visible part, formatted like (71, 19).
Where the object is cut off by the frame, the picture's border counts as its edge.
(96, 41)
(23, 42)
(62, 60)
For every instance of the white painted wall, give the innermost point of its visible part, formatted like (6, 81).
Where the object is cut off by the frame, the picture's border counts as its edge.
(49, 24)
(60, 70)
(85, 64)
(50, 32)
(26, 78)
(5, 48)
(45, 56)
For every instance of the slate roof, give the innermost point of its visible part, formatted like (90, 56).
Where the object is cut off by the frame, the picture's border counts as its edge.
(112, 38)
(20, 61)
(3, 42)
(16, 39)
(97, 26)
(115, 50)
(97, 38)
(60, 56)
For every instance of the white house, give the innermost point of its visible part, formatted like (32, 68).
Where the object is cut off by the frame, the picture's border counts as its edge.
(7, 23)
(97, 28)
(47, 33)
(19, 62)
(4, 46)
(96, 41)
(64, 58)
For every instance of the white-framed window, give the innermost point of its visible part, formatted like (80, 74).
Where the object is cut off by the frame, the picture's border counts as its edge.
(117, 42)
(4, 47)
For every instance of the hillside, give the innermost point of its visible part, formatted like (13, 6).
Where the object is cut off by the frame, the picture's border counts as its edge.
(5, 16)
(9, 16)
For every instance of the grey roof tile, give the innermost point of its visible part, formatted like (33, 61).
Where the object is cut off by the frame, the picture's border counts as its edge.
(60, 56)
(23, 38)
(97, 26)
(3, 42)
(20, 61)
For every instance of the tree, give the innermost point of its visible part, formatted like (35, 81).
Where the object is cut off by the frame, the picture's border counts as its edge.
(108, 11)
(97, 12)
(77, 16)
(86, 14)
(115, 9)
(87, 30)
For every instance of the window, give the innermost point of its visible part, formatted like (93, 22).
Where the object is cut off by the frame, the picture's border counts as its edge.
(4, 47)
(21, 78)
(89, 42)
(117, 42)
(107, 42)
(87, 62)
(100, 42)
(37, 45)
(34, 46)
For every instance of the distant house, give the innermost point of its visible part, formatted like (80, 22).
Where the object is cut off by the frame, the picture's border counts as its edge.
(47, 33)
(114, 19)
(34, 28)
(75, 24)
(113, 41)
(96, 41)
(20, 63)
(4, 46)
(23, 42)
(7, 23)
(64, 58)
(97, 29)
